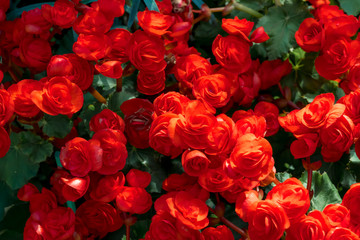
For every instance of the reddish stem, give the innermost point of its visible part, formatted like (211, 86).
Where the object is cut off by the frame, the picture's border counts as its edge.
(309, 180)
(127, 232)
(293, 105)
(217, 197)
(231, 225)
(234, 227)
(119, 83)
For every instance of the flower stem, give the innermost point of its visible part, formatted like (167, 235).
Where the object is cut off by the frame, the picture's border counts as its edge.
(246, 9)
(293, 105)
(119, 83)
(229, 224)
(276, 181)
(198, 19)
(127, 232)
(234, 227)
(309, 180)
(96, 95)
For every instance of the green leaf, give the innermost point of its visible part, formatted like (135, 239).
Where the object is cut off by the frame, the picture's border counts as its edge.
(280, 24)
(351, 7)
(324, 191)
(21, 163)
(105, 82)
(56, 126)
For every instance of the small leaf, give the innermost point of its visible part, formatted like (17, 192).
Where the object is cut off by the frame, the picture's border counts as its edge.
(282, 176)
(56, 126)
(324, 191)
(280, 24)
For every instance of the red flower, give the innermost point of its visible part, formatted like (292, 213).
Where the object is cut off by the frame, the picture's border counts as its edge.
(306, 227)
(137, 178)
(310, 36)
(213, 89)
(106, 119)
(106, 188)
(337, 135)
(35, 52)
(114, 155)
(270, 112)
(6, 106)
(341, 233)
(60, 223)
(267, 221)
(138, 121)
(146, 52)
(334, 59)
(62, 14)
(74, 187)
(251, 158)
(155, 23)
(34, 22)
(58, 96)
(111, 68)
(292, 196)
(222, 138)
(113, 8)
(80, 156)
(99, 218)
(44, 201)
(120, 39)
(25, 193)
(134, 200)
(189, 68)
(151, 84)
(336, 214)
(194, 162)
(170, 102)
(75, 68)
(248, 122)
(92, 47)
(93, 22)
(21, 95)
(351, 201)
(215, 180)
(221, 232)
(190, 211)
(271, 72)
(238, 27)
(232, 53)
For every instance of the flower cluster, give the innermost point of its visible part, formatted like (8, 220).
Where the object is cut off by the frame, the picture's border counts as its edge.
(213, 119)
